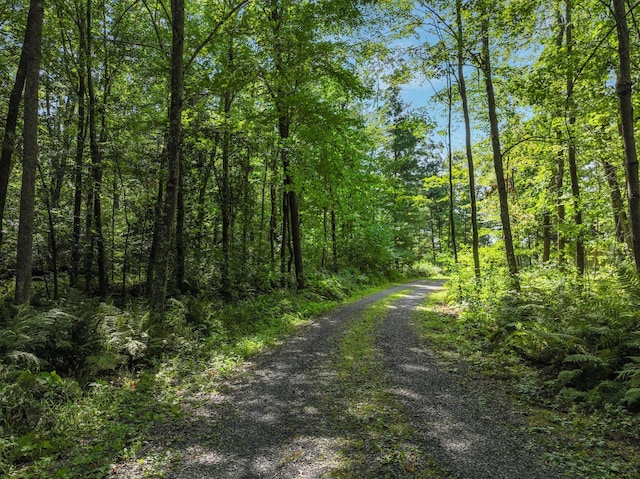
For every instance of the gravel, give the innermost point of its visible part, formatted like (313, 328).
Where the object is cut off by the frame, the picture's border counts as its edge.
(275, 420)
(466, 424)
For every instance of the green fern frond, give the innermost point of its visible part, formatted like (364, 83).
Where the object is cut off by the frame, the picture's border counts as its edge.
(568, 375)
(106, 361)
(24, 358)
(584, 358)
(632, 396)
(631, 370)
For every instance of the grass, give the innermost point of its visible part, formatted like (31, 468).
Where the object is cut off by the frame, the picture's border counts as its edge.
(599, 444)
(379, 439)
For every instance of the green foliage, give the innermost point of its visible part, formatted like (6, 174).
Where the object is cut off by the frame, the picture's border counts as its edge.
(585, 433)
(121, 379)
(582, 334)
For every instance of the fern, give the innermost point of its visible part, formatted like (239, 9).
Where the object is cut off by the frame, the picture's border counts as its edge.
(632, 396)
(566, 376)
(631, 371)
(584, 359)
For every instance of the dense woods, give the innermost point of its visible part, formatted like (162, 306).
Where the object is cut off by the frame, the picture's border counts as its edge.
(162, 161)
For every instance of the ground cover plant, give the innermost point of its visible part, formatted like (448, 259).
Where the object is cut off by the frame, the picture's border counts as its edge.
(566, 348)
(79, 420)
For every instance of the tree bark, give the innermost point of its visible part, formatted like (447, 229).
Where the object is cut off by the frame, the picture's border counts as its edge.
(225, 196)
(623, 235)
(546, 237)
(181, 246)
(9, 140)
(166, 225)
(452, 223)
(79, 159)
(462, 88)
(571, 153)
(32, 50)
(624, 92)
(505, 217)
(96, 165)
(291, 215)
(560, 208)
(559, 176)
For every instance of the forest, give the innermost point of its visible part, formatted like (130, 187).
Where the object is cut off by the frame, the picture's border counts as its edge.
(177, 174)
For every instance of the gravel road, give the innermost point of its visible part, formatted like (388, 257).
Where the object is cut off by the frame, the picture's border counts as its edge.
(275, 420)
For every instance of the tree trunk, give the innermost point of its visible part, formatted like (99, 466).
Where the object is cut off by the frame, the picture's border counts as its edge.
(560, 204)
(291, 212)
(96, 164)
(273, 226)
(166, 223)
(623, 234)
(284, 244)
(153, 250)
(467, 130)
(225, 197)
(201, 207)
(546, 237)
(13, 111)
(334, 240)
(571, 154)
(624, 90)
(452, 224)
(79, 158)
(181, 246)
(32, 51)
(497, 157)
(559, 177)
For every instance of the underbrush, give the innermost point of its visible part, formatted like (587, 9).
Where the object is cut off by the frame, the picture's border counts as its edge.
(82, 381)
(581, 334)
(583, 438)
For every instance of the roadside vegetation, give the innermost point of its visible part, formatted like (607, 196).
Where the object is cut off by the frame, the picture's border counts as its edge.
(80, 391)
(567, 348)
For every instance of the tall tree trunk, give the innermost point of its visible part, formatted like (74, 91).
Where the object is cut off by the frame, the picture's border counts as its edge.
(166, 224)
(225, 195)
(79, 157)
(561, 214)
(559, 176)
(273, 226)
(286, 235)
(334, 237)
(291, 212)
(623, 235)
(624, 90)
(452, 223)
(96, 163)
(153, 250)
(201, 206)
(546, 237)
(462, 88)
(9, 139)
(505, 218)
(181, 246)
(571, 153)
(32, 50)
(325, 239)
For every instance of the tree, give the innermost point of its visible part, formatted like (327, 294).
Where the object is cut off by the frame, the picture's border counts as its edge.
(624, 92)
(462, 88)
(571, 153)
(165, 223)
(32, 48)
(8, 143)
(505, 218)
